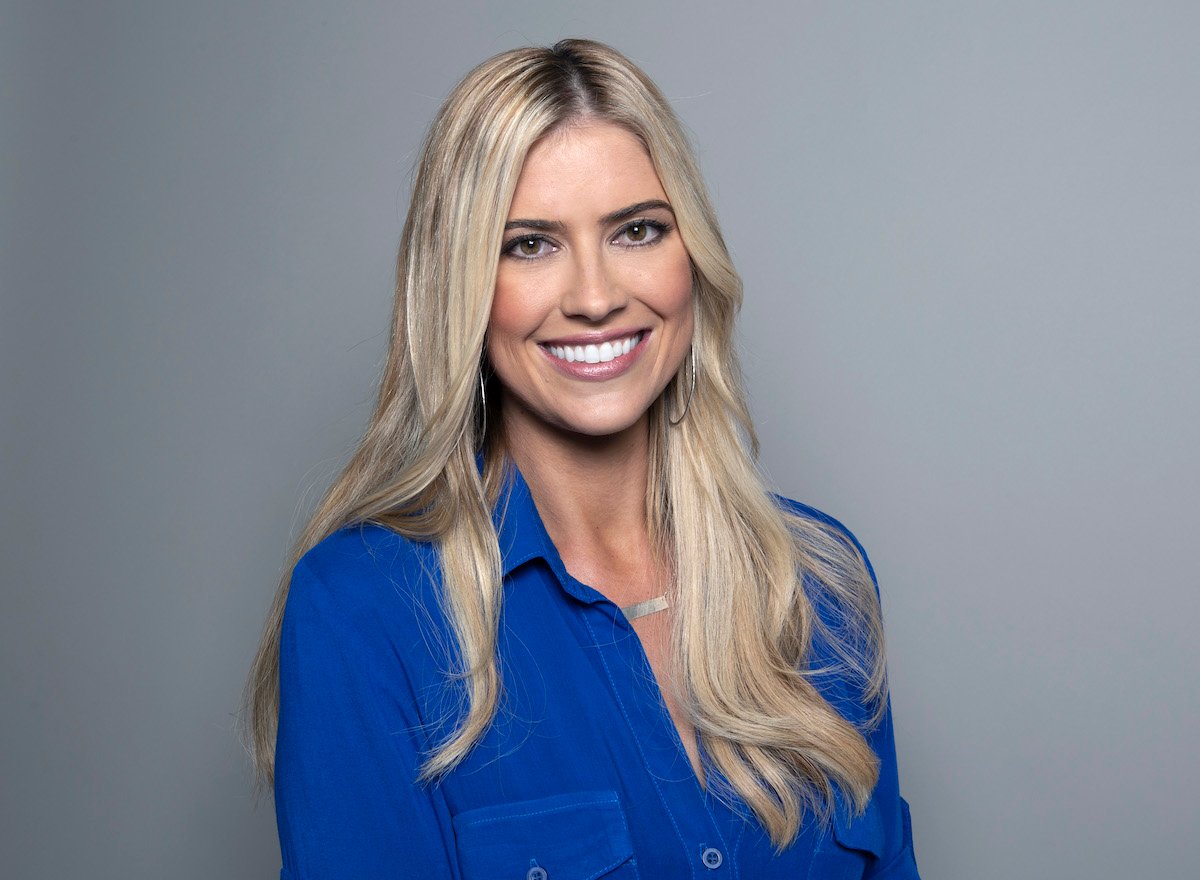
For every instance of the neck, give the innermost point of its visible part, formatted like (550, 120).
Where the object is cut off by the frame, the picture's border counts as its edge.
(591, 495)
(582, 484)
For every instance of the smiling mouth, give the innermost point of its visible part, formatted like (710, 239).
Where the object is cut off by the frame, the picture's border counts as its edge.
(595, 354)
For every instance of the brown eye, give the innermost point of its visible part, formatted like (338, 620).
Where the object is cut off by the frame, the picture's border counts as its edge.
(529, 246)
(641, 233)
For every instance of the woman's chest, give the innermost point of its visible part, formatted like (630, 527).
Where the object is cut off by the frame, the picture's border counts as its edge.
(654, 636)
(583, 773)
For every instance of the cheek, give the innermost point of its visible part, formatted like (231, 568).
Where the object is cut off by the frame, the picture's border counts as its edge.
(513, 313)
(505, 312)
(517, 313)
(675, 285)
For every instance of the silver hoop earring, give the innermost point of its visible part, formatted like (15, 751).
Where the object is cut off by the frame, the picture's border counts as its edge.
(482, 408)
(691, 388)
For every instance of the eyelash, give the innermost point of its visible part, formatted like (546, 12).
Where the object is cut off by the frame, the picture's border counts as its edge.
(660, 228)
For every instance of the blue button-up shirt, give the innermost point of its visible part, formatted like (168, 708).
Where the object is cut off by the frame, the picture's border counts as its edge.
(582, 773)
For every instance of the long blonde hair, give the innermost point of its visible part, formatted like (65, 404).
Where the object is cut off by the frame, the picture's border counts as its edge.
(745, 590)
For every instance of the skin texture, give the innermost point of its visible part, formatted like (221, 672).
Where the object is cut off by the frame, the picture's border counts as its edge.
(582, 443)
(588, 277)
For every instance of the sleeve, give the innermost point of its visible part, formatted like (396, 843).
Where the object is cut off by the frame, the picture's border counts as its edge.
(897, 861)
(349, 750)
(896, 856)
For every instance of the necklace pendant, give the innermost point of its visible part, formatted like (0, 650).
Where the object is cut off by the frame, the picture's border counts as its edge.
(641, 609)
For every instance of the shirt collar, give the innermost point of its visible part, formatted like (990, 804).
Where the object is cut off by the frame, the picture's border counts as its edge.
(519, 526)
(523, 536)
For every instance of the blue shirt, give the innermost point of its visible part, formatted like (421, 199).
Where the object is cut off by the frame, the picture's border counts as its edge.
(581, 775)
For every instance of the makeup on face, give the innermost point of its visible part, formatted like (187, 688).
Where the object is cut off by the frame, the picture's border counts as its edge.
(592, 313)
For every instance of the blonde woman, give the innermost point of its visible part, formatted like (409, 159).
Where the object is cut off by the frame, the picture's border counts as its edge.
(549, 623)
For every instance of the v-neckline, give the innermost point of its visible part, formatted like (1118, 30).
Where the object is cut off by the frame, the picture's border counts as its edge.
(700, 772)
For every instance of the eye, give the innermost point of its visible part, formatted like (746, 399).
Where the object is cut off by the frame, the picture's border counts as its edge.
(642, 232)
(527, 247)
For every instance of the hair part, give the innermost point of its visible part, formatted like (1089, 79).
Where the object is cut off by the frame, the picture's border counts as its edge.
(744, 590)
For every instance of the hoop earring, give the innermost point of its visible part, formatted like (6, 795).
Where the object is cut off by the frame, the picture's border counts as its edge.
(482, 408)
(691, 388)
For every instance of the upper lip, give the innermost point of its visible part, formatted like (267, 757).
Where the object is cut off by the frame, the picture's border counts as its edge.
(593, 338)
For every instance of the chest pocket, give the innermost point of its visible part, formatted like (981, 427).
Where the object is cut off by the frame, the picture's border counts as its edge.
(850, 847)
(577, 836)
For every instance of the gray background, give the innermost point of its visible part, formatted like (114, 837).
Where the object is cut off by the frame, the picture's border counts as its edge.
(969, 234)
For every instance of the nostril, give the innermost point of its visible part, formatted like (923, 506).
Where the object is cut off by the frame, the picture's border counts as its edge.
(595, 304)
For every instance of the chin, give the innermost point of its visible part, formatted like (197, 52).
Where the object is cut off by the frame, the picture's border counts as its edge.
(599, 429)
(600, 424)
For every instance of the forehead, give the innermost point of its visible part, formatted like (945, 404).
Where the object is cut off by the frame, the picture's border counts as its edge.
(584, 168)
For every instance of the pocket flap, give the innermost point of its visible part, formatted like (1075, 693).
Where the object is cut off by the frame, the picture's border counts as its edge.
(863, 833)
(576, 836)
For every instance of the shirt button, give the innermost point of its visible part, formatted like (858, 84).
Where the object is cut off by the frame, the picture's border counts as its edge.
(711, 857)
(536, 874)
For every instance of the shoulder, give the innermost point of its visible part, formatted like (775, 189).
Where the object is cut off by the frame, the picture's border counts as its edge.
(361, 558)
(829, 525)
(365, 574)
(848, 643)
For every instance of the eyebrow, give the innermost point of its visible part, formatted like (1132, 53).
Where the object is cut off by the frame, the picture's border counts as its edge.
(614, 217)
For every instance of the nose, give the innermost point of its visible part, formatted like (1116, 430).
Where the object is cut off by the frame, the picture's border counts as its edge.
(593, 292)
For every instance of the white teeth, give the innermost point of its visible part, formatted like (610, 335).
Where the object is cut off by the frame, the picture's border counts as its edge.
(595, 354)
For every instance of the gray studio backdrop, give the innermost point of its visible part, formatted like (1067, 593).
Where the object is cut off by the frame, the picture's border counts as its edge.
(969, 234)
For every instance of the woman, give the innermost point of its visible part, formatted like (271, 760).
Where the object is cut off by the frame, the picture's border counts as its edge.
(548, 623)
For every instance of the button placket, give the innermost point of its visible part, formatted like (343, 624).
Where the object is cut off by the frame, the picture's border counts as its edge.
(633, 684)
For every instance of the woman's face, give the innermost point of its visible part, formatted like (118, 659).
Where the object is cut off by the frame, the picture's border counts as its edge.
(592, 313)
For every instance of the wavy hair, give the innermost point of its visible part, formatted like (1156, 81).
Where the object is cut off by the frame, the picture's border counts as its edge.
(749, 572)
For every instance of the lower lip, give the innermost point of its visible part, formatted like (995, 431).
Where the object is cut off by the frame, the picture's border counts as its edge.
(599, 372)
